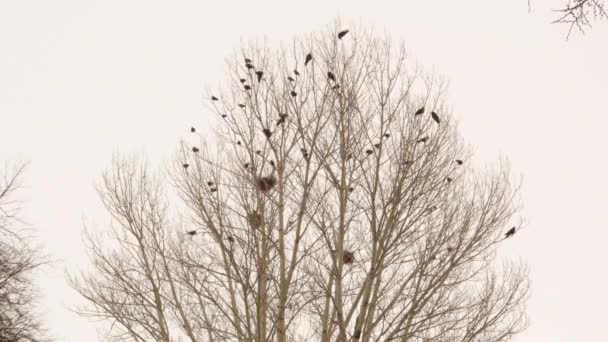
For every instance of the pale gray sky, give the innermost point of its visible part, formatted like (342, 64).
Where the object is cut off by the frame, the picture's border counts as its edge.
(81, 79)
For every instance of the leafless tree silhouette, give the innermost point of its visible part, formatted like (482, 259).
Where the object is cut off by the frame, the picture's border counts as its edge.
(301, 234)
(19, 319)
(581, 14)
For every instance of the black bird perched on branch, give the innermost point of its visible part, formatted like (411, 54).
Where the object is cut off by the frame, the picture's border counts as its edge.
(293, 93)
(195, 149)
(247, 87)
(337, 86)
(420, 111)
(386, 135)
(210, 183)
(224, 116)
(296, 72)
(186, 165)
(331, 76)
(267, 132)
(377, 145)
(249, 66)
(282, 118)
(369, 152)
(435, 117)
(242, 80)
(241, 105)
(510, 232)
(247, 60)
(422, 140)
(191, 233)
(246, 165)
(308, 59)
(259, 74)
(449, 179)
(213, 189)
(213, 98)
(459, 162)
(290, 79)
(342, 34)
(238, 142)
(192, 129)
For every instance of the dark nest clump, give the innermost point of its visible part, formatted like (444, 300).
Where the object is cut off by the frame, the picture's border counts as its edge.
(254, 219)
(266, 184)
(348, 257)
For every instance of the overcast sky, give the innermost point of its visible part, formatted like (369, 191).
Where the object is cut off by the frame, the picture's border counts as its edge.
(82, 79)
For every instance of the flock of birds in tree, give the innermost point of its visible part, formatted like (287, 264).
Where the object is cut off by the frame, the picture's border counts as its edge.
(267, 183)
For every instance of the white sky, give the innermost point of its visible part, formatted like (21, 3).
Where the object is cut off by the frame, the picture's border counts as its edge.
(82, 79)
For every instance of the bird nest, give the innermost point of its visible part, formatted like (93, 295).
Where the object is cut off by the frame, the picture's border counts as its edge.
(266, 184)
(254, 219)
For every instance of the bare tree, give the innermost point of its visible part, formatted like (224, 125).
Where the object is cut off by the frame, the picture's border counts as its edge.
(19, 319)
(337, 204)
(581, 14)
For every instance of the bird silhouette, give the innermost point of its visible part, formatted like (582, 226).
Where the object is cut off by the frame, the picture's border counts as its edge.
(386, 135)
(267, 132)
(210, 183)
(459, 162)
(213, 189)
(290, 79)
(281, 119)
(331, 76)
(424, 139)
(293, 93)
(246, 165)
(272, 164)
(296, 72)
(342, 34)
(377, 145)
(249, 66)
(247, 87)
(195, 149)
(185, 165)
(510, 232)
(308, 59)
(230, 239)
(450, 249)
(449, 179)
(191, 233)
(419, 111)
(241, 105)
(242, 80)
(192, 129)
(258, 152)
(337, 86)
(213, 98)
(224, 116)
(369, 152)
(248, 61)
(435, 117)
(351, 189)
(259, 74)
(238, 142)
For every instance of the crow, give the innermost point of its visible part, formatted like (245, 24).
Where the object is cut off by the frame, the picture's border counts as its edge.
(510, 232)
(224, 116)
(424, 139)
(369, 152)
(272, 164)
(293, 93)
(213, 189)
(308, 59)
(249, 66)
(420, 111)
(213, 98)
(290, 79)
(258, 152)
(246, 165)
(337, 86)
(191, 233)
(192, 129)
(195, 149)
(331, 76)
(230, 239)
(281, 119)
(342, 34)
(377, 145)
(210, 183)
(435, 117)
(241, 105)
(248, 61)
(267, 132)
(459, 162)
(449, 179)
(259, 74)
(238, 142)
(386, 135)
(296, 72)
(186, 165)
(242, 80)
(247, 87)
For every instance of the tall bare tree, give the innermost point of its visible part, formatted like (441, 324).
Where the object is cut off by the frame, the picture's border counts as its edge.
(336, 203)
(19, 318)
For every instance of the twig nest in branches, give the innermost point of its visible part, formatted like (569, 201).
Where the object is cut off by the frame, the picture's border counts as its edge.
(348, 257)
(254, 219)
(266, 184)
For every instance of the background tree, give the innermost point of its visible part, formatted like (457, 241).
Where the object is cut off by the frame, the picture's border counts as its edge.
(19, 320)
(582, 14)
(336, 203)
